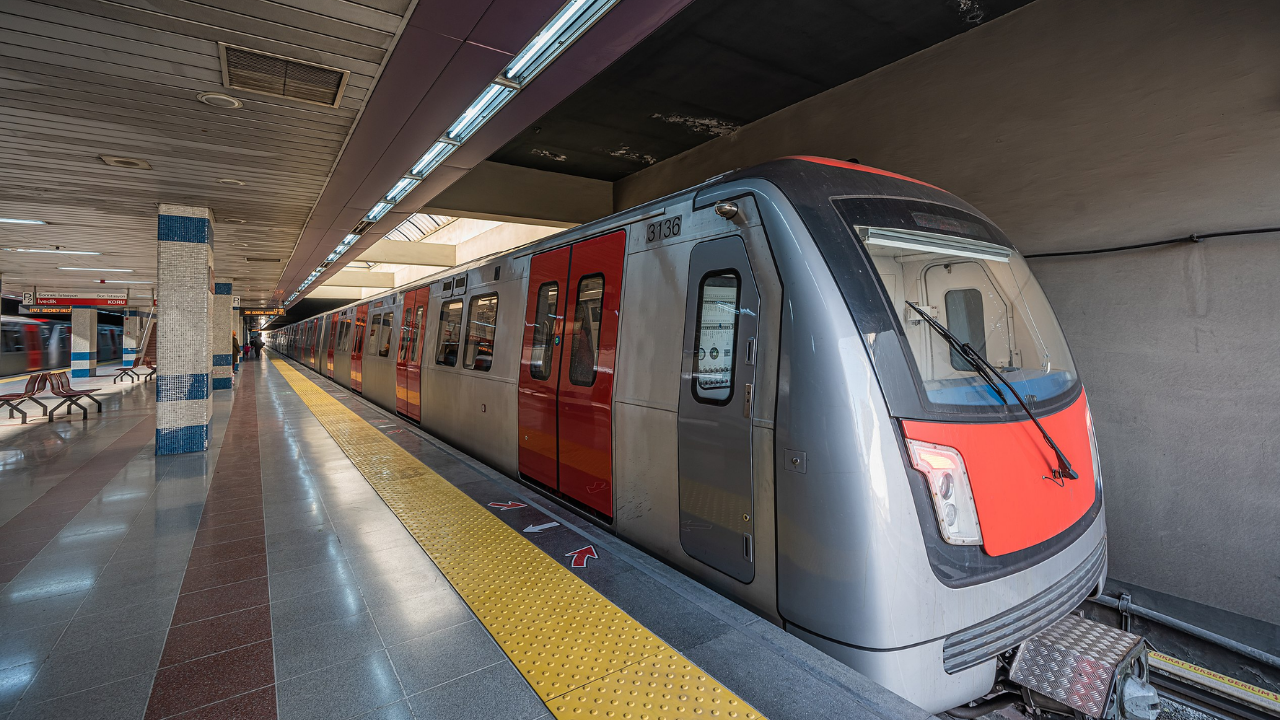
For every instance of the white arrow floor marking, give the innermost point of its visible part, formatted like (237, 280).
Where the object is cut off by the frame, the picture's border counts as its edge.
(540, 528)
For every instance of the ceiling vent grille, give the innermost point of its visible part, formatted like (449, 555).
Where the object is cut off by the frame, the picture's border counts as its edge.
(280, 76)
(262, 259)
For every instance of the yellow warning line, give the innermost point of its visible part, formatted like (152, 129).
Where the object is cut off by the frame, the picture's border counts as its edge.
(579, 652)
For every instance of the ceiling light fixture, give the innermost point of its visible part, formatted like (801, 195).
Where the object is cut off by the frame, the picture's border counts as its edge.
(54, 251)
(219, 100)
(95, 269)
(239, 244)
(566, 26)
(18, 221)
(229, 181)
(131, 282)
(124, 162)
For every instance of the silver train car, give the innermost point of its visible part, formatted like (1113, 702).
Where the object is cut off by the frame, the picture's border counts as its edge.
(830, 392)
(32, 344)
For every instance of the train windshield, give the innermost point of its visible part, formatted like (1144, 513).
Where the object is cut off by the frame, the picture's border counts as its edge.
(963, 273)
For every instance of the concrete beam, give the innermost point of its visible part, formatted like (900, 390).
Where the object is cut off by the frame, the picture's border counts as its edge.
(361, 278)
(399, 252)
(493, 191)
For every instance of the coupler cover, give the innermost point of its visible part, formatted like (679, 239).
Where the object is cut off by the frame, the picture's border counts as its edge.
(1080, 663)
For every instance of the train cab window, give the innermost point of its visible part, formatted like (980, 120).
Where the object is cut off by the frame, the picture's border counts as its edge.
(585, 353)
(965, 321)
(384, 335)
(450, 333)
(418, 329)
(713, 366)
(544, 331)
(482, 327)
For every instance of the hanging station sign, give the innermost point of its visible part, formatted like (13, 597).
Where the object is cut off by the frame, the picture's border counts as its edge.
(260, 311)
(72, 298)
(37, 310)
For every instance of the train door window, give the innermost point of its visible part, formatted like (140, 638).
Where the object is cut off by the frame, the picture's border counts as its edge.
(585, 353)
(482, 326)
(717, 335)
(965, 320)
(544, 330)
(405, 330)
(450, 333)
(384, 334)
(417, 331)
(375, 322)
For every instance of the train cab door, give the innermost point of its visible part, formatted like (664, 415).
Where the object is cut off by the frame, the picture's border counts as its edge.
(717, 376)
(409, 359)
(357, 349)
(332, 345)
(566, 379)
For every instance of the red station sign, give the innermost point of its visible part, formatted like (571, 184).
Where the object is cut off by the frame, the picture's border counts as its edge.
(71, 298)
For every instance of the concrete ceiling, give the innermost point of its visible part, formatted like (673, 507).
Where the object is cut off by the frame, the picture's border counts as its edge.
(85, 78)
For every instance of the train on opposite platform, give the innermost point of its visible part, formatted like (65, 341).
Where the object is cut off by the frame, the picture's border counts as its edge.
(833, 393)
(31, 344)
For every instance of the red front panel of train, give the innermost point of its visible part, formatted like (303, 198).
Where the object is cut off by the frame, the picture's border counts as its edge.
(1019, 503)
(566, 372)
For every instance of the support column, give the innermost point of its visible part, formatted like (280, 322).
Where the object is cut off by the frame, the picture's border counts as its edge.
(222, 336)
(184, 356)
(132, 336)
(84, 342)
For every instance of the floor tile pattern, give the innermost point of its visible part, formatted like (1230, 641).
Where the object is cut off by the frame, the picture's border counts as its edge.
(579, 652)
(218, 658)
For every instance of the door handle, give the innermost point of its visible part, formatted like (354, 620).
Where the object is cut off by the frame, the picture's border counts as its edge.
(746, 400)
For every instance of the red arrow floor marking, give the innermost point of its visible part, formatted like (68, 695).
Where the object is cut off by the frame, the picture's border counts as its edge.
(581, 554)
(510, 505)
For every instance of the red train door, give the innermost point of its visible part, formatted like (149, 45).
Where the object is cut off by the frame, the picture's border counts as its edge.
(566, 379)
(357, 349)
(35, 353)
(333, 344)
(409, 361)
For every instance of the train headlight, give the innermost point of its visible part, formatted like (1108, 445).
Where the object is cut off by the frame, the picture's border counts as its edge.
(949, 485)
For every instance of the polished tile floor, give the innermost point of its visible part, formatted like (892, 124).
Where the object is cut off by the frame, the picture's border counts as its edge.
(265, 578)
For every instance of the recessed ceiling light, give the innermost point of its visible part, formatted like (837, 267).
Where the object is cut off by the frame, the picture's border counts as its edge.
(219, 100)
(95, 269)
(18, 221)
(236, 221)
(229, 181)
(239, 244)
(124, 162)
(56, 251)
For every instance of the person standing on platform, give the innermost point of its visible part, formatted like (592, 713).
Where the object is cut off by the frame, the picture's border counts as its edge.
(235, 352)
(257, 344)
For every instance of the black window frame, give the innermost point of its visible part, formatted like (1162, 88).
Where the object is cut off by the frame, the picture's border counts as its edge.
(466, 335)
(697, 334)
(549, 345)
(440, 333)
(573, 347)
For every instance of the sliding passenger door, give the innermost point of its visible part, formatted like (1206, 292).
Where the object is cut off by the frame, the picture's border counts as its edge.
(593, 299)
(331, 345)
(717, 376)
(540, 366)
(409, 359)
(357, 349)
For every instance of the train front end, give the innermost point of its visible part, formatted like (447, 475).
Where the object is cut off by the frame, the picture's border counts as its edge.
(938, 487)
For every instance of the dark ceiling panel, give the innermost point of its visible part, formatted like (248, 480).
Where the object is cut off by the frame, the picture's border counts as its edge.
(721, 64)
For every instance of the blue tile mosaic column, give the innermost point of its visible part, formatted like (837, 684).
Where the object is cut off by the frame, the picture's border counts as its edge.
(84, 342)
(132, 336)
(184, 357)
(222, 336)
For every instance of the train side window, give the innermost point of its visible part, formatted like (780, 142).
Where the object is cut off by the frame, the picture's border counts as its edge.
(450, 333)
(418, 331)
(482, 327)
(965, 320)
(544, 331)
(384, 335)
(714, 364)
(588, 313)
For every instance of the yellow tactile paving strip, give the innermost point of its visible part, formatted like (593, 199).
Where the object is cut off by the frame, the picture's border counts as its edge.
(583, 655)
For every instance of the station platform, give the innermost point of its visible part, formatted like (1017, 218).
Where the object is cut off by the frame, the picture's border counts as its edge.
(326, 560)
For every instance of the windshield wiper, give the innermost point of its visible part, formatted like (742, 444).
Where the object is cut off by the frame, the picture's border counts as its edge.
(987, 371)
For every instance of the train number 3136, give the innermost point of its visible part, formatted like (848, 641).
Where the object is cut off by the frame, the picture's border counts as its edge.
(662, 229)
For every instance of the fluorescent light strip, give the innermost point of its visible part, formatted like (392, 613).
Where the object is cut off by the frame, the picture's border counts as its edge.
(130, 282)
(95, 269)
(17, 221)
(566, 26)
(574, 19)
(54, 252)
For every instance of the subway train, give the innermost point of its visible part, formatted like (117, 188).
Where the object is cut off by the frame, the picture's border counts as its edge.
(833, 393)
(29, 344)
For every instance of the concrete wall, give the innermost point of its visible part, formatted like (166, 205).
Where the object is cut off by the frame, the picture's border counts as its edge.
(1093, 123)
